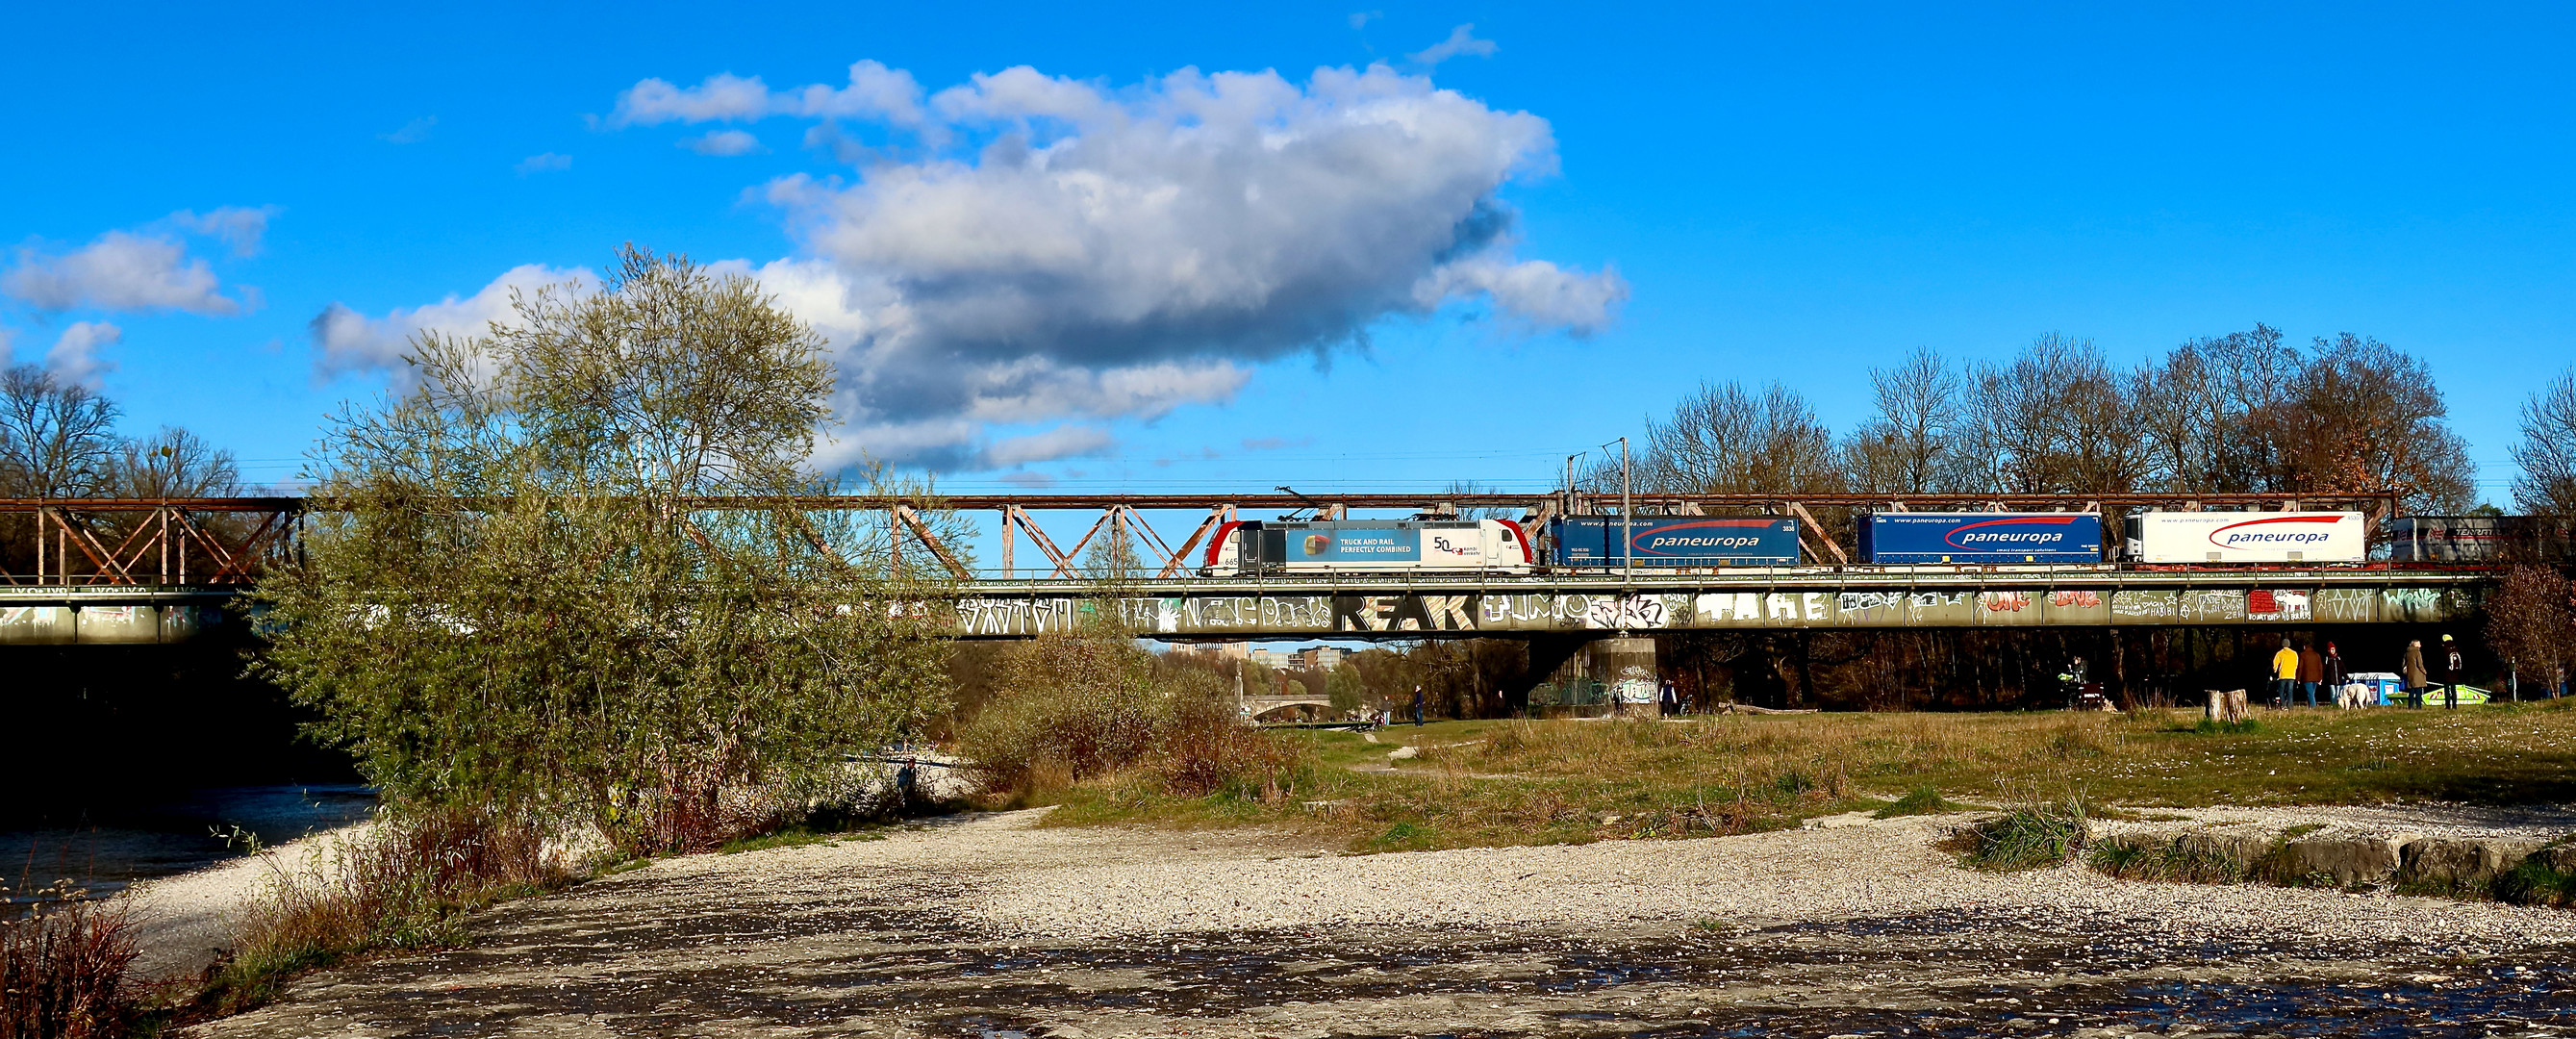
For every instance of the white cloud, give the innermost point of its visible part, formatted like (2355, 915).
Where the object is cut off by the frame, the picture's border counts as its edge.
(126, 271)
(1060, 442)
(874, 92)
(723, 142)
(1061, 254)
(543, 162)
(237, 226)
(724, 96)
(1462, 40)
(1118, 253)
(74, 358)
(1360, 19)
(347, 342)
(412, 132)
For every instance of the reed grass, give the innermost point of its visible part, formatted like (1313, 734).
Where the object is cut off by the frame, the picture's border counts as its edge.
(64, 962)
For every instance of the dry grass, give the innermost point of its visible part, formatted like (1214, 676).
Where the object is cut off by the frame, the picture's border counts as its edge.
(63, 967)
(1518, 782)
(404, 883)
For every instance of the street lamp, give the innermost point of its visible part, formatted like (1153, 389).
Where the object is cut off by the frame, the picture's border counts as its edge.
(1627, 517)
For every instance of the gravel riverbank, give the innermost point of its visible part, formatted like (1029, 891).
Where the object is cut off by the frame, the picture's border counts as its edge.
(183, 923)
(992, 926)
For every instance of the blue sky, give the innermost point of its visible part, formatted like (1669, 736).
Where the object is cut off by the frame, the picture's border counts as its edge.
(1710, 191)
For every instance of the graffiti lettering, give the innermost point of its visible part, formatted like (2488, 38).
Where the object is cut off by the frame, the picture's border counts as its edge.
(1635, 611)
(1447, 612)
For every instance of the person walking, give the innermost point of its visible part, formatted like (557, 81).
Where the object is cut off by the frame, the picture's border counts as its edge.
(2285, 675)
(2334, 673)
(2413, 671)
(2451, 668)
(2312, 671)
(1417, 707)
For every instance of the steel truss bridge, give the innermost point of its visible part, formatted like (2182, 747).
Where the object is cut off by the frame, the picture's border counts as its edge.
(115, 570)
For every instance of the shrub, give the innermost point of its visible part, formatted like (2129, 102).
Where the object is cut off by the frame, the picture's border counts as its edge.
(1206, 748)
(2031, 836)
(1074, 708)
(2154, 859)
(2534, 883)
(63, 967)
(1921, 800)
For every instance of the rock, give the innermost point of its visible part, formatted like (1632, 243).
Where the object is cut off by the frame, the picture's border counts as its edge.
(2352, 861)
(2464, 861)
(1401, 753)
(2561, 857)
(2241, 850)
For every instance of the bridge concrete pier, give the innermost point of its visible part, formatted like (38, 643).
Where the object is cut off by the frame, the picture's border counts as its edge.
(1626, 665)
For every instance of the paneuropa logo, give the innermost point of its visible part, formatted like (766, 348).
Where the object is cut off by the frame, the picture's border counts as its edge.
(2275, 531)
(1704, 534)
(2017, 532)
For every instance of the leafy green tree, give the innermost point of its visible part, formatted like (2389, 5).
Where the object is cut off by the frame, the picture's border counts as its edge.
(1344, 688)
(569, 576)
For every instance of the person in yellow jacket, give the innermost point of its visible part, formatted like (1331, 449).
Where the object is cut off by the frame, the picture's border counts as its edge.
(2285, 674)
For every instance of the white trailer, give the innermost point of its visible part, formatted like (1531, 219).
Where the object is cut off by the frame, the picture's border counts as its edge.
(2250, 537)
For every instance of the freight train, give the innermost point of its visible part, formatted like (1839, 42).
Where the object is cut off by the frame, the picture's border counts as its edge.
(1666, 543)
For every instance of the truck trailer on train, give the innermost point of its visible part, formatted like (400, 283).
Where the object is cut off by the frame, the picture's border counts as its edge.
(1986, 538)
(1671, 542)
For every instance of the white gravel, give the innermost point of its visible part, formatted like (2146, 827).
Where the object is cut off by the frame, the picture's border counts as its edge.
(183, 923)
(1120, 883)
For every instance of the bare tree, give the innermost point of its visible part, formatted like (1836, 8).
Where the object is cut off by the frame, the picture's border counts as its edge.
(1907, 449)
(2531, 623)
(173, 463)
(2547, 453)
(2365, 417)
(2054, 421)
(2200, 414)
(57, 439)
(1724, 439)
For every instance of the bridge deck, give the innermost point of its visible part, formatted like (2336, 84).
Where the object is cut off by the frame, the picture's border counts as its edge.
(1457, 605)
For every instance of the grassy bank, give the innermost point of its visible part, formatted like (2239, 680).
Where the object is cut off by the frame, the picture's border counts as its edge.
(1516, 782)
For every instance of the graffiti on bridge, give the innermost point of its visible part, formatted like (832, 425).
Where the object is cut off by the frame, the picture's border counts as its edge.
(1405, 613)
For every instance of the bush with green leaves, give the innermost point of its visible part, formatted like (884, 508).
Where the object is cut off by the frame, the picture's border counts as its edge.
(572, 572)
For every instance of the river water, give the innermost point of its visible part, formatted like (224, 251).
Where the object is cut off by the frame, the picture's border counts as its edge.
(107, 847)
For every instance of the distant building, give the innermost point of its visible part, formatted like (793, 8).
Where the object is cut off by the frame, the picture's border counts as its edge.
(1319, 658)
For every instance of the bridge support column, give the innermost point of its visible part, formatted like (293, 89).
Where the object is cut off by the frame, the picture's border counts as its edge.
(1627, 667)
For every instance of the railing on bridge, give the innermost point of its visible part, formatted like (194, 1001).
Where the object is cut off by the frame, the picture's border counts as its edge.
(166, 542)
(222, 542)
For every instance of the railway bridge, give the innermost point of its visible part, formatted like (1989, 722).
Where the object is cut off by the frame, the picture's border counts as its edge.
(124, 571)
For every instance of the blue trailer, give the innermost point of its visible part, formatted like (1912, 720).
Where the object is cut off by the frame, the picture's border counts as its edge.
(1982, 537)
(1675, 541)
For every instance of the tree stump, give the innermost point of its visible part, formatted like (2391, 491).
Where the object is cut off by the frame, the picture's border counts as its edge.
(2227, 708)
